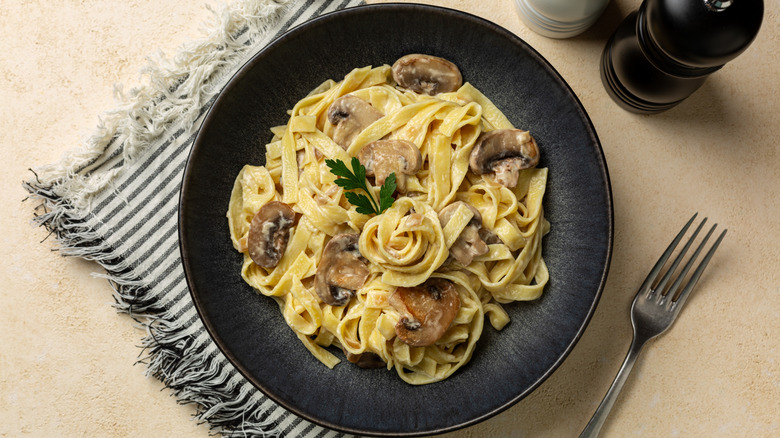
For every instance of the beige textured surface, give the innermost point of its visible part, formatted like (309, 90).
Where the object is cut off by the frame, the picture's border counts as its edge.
(67, 359)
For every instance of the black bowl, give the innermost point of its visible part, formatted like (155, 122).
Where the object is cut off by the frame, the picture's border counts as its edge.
(507, 365)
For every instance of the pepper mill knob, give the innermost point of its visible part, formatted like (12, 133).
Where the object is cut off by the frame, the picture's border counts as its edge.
(718, 5)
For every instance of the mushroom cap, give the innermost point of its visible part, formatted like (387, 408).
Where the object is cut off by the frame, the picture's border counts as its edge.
(269, 232)
(341, 271)
(489, 237)
(504, 152)
(366, 359)
(446, 214)
(469, 243)
(427, 311)
(383, 157)
(426, 74)
(350, 115)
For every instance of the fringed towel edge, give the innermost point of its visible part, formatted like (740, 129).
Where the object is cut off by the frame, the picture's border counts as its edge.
(175, 92)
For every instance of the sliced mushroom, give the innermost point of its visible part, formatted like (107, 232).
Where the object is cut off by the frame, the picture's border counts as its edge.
(269, 233)
(427, 311)
(383, 157)
(426, 74)
(326, 196)
(489, 237)
(469, 243)
(365, 360)
(350, 115)
(504, 152)
(300, 158)
(341, 271)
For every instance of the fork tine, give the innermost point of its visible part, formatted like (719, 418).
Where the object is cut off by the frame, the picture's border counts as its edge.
(681, 276)
(648, 283)
(661, 286)
(700, 269)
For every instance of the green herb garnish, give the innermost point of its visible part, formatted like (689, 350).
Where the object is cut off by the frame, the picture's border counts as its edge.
(355, 179)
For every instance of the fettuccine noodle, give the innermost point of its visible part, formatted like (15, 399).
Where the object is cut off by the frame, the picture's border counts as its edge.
(405, 246)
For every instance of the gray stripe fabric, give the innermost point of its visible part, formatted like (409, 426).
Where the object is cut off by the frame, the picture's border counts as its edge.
(130, 228)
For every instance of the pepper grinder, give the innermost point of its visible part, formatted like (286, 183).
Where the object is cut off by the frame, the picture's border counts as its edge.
(560, 18)
(664, 51)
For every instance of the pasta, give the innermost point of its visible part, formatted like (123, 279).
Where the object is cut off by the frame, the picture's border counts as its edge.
(464, 239)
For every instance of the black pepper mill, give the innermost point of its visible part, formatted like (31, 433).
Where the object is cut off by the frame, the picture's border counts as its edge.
(665, 50)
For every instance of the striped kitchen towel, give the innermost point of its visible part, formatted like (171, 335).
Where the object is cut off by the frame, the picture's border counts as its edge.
(115, 201)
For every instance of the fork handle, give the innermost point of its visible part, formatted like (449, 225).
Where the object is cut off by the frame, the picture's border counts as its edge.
(597, 421)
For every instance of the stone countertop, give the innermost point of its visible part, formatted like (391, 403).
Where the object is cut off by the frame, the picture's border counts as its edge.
(68, 361)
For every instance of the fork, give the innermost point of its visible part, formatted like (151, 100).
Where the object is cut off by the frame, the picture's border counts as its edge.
(654, 310)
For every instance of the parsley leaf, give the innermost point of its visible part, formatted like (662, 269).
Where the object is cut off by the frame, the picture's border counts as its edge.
(386, 193)
(355, 179)
(348, 180)
(363, 204)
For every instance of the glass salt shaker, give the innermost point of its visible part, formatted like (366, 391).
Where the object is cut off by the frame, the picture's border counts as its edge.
(560, 18)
